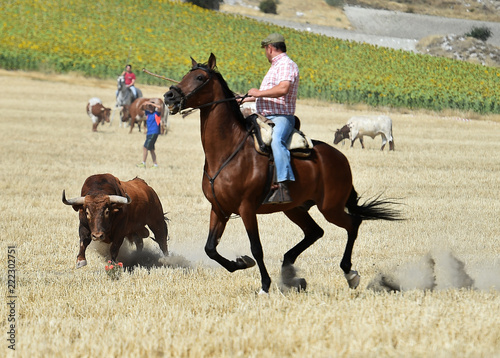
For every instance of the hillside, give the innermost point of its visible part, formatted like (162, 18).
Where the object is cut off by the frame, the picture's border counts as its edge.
(318, 12)
(433, 29)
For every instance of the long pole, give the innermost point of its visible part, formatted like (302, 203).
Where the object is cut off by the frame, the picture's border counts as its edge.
(159, 76)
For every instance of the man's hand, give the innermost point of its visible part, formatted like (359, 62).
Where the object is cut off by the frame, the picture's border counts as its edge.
(279, 90)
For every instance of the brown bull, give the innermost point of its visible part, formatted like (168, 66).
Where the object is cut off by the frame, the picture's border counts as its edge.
(135, 112)
(110, 210)
(97, 112)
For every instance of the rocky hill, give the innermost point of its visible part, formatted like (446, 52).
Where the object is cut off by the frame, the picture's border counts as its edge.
(407, 25)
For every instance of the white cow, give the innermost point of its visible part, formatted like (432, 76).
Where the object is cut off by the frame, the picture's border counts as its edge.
(371, 126)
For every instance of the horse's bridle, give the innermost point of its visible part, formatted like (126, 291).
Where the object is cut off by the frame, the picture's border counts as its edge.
(185, 97)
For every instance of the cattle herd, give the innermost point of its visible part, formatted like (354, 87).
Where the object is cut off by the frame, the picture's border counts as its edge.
(131, 109)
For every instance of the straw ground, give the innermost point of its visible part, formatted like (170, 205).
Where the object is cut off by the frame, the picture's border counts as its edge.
(446, 169)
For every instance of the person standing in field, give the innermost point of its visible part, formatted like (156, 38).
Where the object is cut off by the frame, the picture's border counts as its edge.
(129, 77)
(276, 99)
(153, 124)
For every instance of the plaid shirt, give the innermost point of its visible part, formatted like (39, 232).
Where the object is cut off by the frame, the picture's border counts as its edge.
(282, 69)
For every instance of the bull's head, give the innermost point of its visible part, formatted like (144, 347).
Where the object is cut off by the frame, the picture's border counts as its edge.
(341, 134)
(98, 210)
(107, 114)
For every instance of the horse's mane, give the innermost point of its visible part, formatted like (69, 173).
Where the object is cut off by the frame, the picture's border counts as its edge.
(225, 88)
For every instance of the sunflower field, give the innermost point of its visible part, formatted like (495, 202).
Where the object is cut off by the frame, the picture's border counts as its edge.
(100, 37)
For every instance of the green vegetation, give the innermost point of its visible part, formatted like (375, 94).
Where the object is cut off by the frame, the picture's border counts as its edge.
(336, 3)
(268, 6)
(482, 33)
(98, 38)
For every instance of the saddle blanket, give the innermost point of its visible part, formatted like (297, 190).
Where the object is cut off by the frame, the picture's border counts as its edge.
(298, 143)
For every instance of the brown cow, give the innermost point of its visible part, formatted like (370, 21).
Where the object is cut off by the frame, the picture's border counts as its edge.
(135, 112)
(110, 210)
(97, 112)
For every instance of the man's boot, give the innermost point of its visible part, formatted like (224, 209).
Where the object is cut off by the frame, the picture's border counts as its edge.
(280, 195)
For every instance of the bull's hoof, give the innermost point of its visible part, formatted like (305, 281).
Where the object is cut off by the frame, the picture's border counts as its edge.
(245, 262)
(353, 279)
(81, 263)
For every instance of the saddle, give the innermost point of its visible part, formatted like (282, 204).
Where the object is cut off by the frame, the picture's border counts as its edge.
(261, 128)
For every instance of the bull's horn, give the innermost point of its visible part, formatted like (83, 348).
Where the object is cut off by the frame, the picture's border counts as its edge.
(75, 201)
(117, 199)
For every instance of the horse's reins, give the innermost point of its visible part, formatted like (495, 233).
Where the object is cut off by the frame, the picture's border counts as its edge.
(185, 97)
(212, 179)
(185, 113)
(191, 110)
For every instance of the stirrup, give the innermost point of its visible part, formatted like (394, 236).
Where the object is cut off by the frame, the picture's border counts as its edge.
(278, 196)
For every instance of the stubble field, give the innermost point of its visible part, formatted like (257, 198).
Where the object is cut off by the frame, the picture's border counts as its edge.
(445, 169)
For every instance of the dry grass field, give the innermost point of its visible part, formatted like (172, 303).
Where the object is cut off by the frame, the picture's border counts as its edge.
(446, 171)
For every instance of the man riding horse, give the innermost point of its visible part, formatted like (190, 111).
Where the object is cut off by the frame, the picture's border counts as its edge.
(276, 100)
(126, 92)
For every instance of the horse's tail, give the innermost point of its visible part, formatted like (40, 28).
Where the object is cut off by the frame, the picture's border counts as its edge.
(375, 208)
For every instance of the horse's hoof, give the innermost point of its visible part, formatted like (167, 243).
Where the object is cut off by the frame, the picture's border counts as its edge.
(81, 263)
(245, 261)
(263, 293)
(300, 284)
(353, 279)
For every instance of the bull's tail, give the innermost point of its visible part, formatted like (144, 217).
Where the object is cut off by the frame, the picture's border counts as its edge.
(375, 208)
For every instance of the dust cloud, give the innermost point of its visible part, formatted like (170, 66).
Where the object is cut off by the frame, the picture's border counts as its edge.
(438, 270)
(151, 256)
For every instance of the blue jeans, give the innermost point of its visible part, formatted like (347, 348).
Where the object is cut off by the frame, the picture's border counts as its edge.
(281, 131)
(134, 91)
(132, 88)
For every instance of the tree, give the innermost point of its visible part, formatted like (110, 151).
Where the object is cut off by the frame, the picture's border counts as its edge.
(206, 4)
(269, 6)
(480, 33)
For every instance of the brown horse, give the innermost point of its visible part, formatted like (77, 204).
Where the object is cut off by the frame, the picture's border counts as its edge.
(236, 180)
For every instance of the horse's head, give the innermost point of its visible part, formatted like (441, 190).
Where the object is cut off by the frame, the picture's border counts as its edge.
(120, 82)
(192, 91)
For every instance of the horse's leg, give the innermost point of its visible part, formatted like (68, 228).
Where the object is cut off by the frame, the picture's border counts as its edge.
(337, 216)
(217, 226)
(312, 232)
(252, 228)
(361, 141)
(351, 275)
